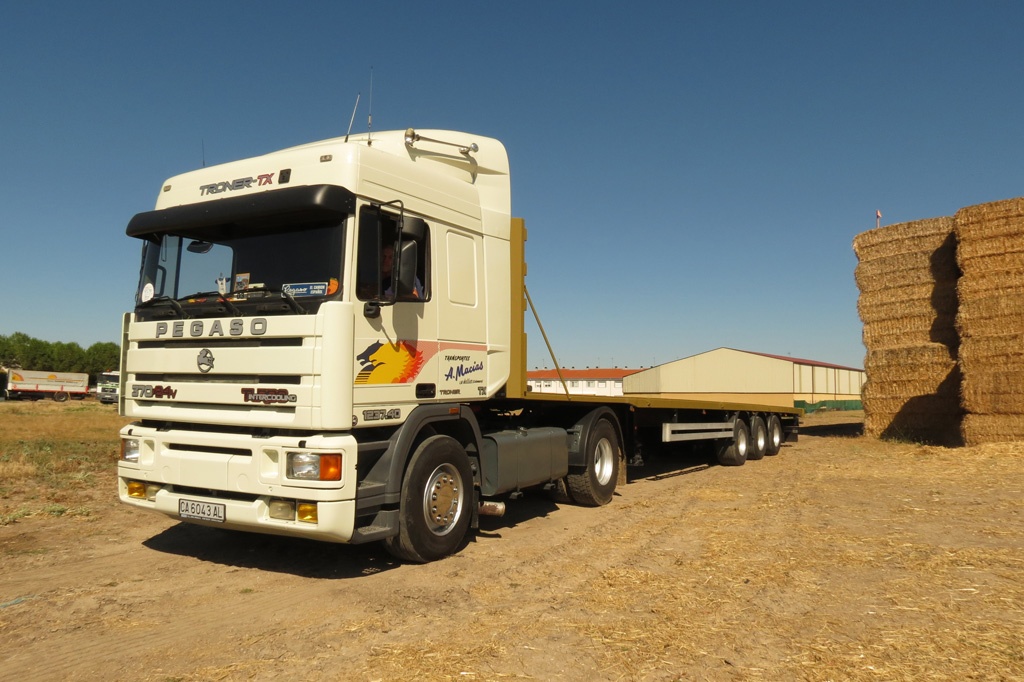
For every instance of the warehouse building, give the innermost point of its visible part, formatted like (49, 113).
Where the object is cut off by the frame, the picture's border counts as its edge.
(741, 376)
(579, 381)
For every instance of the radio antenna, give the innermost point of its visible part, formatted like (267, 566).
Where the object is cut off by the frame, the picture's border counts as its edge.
(352, 120)
(369, 120)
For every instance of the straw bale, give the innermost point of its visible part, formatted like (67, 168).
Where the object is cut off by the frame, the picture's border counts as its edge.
(991, 316)
(980, 351)
(946, 406)
(918, 267)
(946, 386)
(994, 219)
(891, 240)
(989, 236)
(933, 358)
(994, 390)
(913, 392)
(930, 299)
(1007, 283)
(978, 429)
(912, 331)
(872, 276)
(936, 428)
(1001, 261)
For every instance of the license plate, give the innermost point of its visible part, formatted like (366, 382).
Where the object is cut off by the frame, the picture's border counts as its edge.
(204, 511)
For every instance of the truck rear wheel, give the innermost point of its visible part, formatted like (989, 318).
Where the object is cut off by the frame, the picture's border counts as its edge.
(758, 438)
(61, 397)
(437, 493)
(734, 454)
(595, 485)
(774, 435)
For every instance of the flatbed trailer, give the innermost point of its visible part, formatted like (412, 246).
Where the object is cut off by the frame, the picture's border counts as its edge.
(329, 342)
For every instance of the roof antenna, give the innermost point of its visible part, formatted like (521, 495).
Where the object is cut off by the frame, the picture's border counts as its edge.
(369, 120)
(351, 120)
(203, 141)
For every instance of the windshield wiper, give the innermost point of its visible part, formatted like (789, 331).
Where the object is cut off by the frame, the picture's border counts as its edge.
(165, 299)
(292, 303)
(221, 298)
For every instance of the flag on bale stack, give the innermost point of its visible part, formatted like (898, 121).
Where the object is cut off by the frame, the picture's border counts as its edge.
(907, 275)
(990, 251)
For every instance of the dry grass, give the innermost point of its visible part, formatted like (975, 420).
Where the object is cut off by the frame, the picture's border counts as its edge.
(911, 574)
(50, 451)
(844, 558)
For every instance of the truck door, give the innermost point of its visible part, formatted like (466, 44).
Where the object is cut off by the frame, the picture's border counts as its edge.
(396, 329)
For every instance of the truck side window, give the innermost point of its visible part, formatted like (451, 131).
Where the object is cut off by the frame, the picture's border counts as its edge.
(378, 232)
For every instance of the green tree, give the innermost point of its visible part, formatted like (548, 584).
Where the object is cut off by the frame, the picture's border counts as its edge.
(67, 357)
(27, 352)
(102, 357)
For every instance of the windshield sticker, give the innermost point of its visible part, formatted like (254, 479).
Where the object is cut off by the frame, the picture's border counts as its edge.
(241, 281)
(306, 289)
(147, 292)
(332, 286)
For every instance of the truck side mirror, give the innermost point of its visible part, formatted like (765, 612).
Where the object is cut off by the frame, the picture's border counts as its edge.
(414, 229)
(407, 270)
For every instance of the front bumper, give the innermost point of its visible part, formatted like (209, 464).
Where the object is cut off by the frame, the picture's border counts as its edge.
(243, 473)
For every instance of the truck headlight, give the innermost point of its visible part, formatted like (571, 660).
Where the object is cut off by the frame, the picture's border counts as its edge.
(130, 449)
(311, 466)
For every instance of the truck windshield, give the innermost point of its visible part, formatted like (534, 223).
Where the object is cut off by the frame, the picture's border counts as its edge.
(279, 270)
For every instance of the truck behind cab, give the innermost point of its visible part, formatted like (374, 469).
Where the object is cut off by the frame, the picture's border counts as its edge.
(328, 342)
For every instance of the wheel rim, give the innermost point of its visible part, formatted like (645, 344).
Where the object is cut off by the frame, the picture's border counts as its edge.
(604, 461)
(742, 443)
(762, 439)
(776, 437)
(442, 499)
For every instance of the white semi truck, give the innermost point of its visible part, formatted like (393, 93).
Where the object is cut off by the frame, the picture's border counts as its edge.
(328, 342)
(26, 384)
(107, 386)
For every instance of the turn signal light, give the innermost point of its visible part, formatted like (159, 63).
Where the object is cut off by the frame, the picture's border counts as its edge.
(330, 467)
(307, 512)
(137, 489)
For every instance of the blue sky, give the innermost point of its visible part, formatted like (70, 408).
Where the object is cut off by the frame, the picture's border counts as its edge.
(692, 174)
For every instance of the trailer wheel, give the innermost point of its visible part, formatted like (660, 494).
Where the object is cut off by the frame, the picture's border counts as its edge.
(758, 438)
(595, 485)
(61, 397)
(774, 435)
(734, 453)
(437, 494)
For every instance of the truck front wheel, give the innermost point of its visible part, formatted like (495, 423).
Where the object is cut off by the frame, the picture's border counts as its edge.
(437, 491)
(595, 485)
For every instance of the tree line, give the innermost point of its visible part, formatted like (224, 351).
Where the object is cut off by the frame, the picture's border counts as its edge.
(21, 351)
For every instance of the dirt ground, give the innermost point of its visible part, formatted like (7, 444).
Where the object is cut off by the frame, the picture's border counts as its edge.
(842, 558)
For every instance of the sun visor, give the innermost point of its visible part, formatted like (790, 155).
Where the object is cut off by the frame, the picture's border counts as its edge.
(310, 203)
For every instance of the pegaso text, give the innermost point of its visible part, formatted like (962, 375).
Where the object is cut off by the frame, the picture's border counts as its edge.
(236, 327)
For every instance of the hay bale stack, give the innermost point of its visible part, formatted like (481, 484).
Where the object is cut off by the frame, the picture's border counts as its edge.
(990, 321)
(907, 275)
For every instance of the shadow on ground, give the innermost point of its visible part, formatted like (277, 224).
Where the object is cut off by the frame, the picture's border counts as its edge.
(849, 430)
